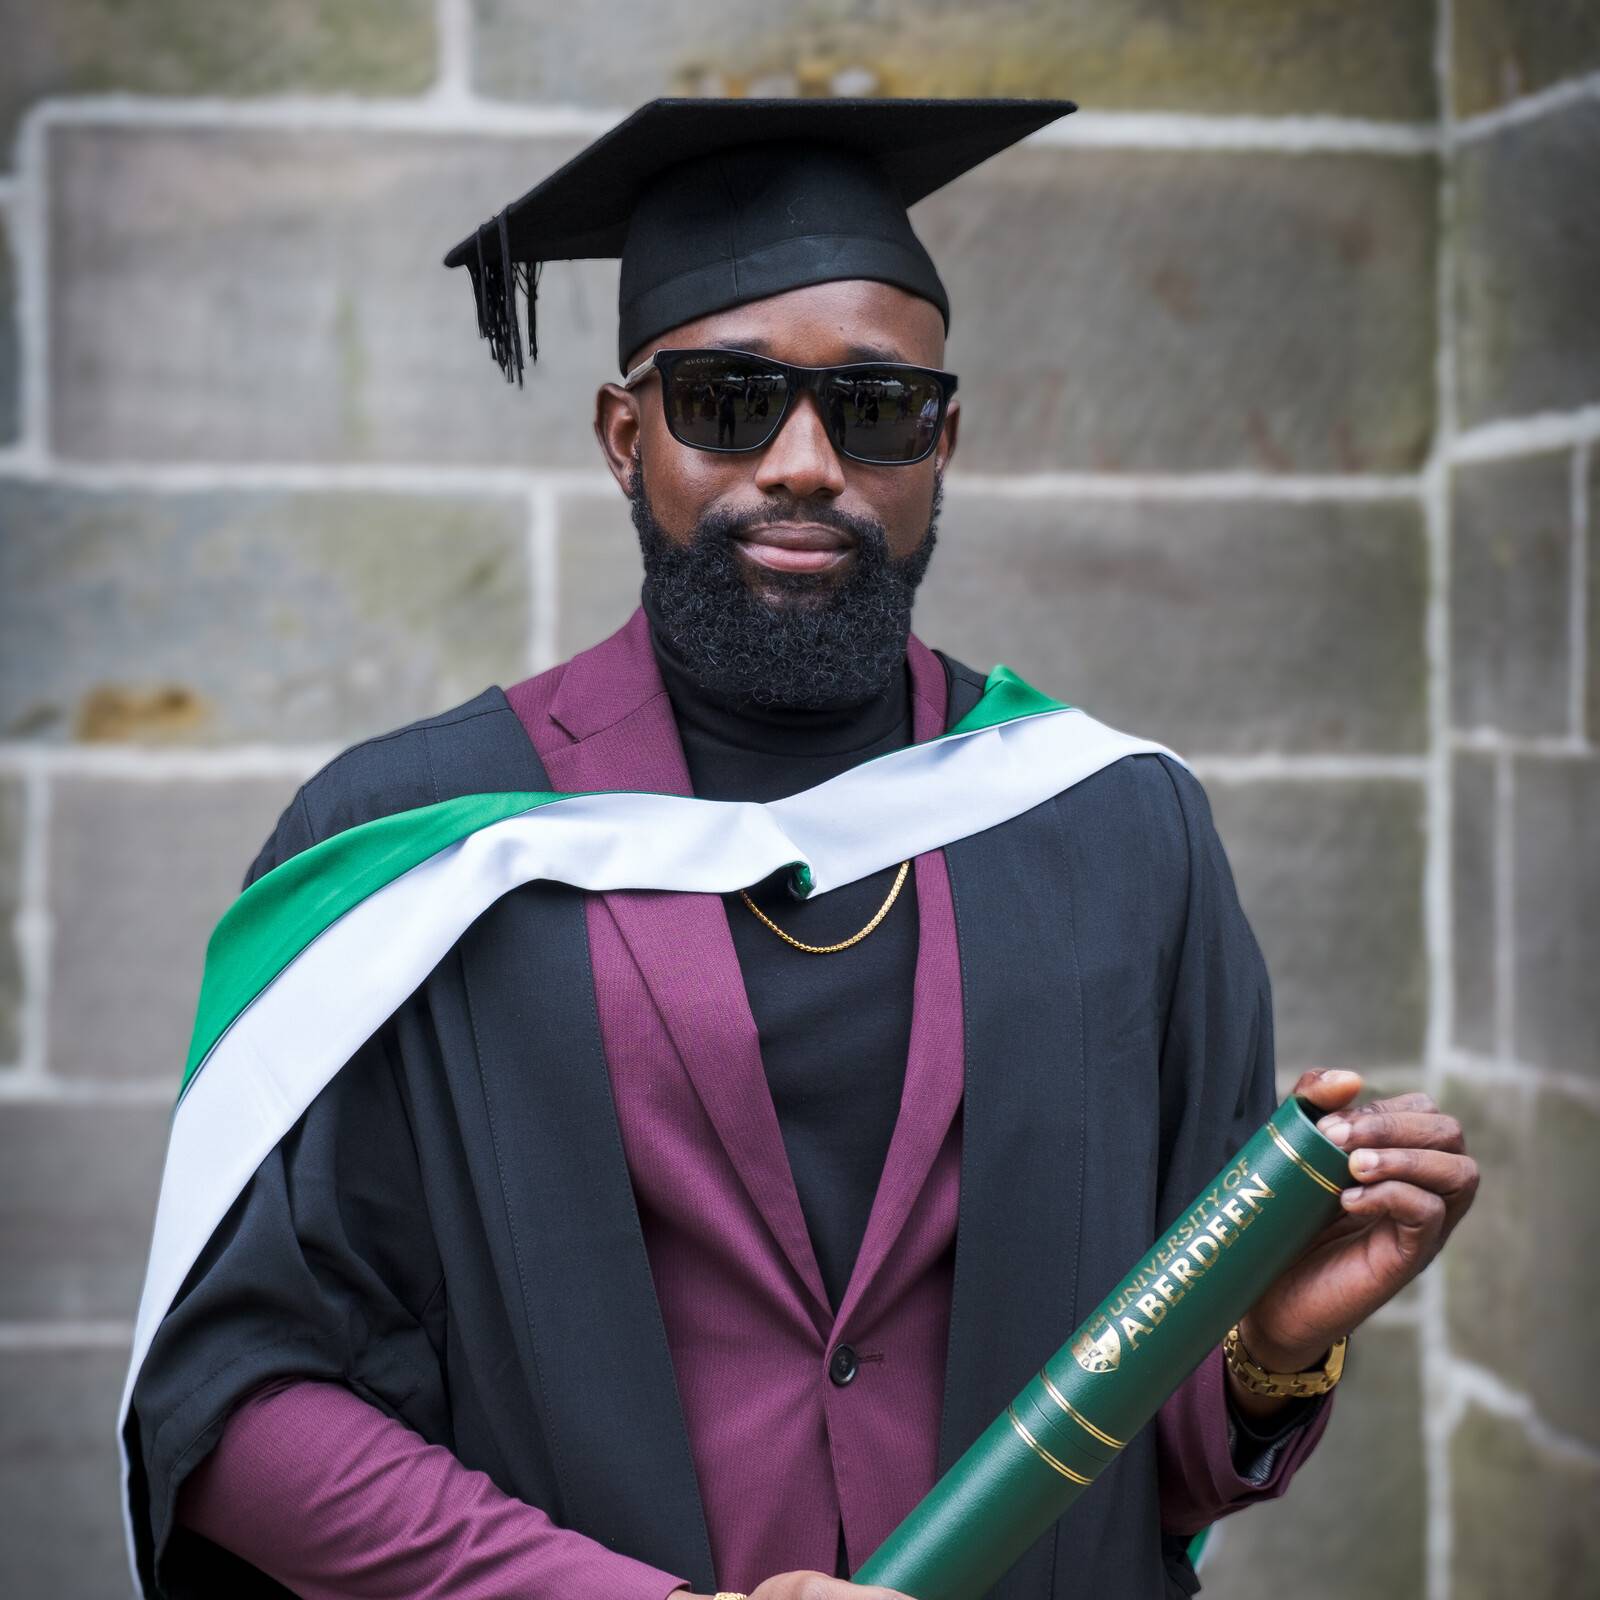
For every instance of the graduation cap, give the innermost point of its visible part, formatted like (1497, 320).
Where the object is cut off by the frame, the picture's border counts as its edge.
(713, 202)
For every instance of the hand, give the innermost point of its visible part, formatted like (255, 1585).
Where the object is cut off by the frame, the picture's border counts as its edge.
(810, 1586)
(1413, 1182)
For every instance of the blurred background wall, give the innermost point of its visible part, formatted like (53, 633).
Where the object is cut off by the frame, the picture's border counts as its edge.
(1281, 379)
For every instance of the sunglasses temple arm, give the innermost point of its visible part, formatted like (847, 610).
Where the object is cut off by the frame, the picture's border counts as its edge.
(639, 373)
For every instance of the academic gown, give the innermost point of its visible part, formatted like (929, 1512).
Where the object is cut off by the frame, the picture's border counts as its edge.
(1117, 1048)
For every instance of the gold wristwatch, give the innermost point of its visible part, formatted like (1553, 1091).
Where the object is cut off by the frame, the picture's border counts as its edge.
(1284, 1385)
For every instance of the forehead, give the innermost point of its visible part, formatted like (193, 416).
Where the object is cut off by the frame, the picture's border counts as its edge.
(849, 319)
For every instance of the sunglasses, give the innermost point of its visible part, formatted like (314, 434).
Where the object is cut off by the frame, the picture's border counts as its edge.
(888, 413)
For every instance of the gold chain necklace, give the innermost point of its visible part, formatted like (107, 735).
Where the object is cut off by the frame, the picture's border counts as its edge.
(843, 944)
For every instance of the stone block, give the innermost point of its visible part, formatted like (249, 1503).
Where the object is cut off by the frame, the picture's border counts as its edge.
(1527, 259)
(1521, 1279)
(198, 47)
(1330, 876)
(1473, 903)
(208, 618)
(1177, 311)
(1349, 1482)
(1523, 1513)
(1510, 588)
(1363, 58)
(139, 873)
(13, 820)
(1504, 49)
(59, 1477)
(10, 349)
(79, 1184)
(1216, 627)
(1555, 932)
(277, 295)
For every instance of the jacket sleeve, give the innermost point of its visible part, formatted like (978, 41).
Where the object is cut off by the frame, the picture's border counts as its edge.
(336, 1501)
(1217, 1087)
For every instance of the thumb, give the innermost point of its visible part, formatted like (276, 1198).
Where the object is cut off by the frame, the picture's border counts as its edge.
(1330, 1088)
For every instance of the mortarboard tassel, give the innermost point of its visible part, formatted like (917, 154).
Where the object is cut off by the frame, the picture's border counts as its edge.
(494, 294)
(511, 335)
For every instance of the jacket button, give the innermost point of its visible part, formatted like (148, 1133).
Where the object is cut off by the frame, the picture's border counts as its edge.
(843, 1366)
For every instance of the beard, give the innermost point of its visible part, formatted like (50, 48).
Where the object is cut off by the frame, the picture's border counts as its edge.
(792, 640)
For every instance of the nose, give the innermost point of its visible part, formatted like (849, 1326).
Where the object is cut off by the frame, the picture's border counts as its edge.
(801, 457)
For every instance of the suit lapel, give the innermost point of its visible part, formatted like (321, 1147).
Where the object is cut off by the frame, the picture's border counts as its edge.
(933, 1080)
(681, 942)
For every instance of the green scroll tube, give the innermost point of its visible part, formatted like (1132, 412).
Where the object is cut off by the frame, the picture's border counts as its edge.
(1070, 1420)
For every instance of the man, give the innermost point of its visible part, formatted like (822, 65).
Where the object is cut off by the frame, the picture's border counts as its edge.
(661, 1239)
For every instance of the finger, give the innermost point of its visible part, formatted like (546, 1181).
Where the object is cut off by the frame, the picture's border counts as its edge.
(1454, 1177)
(1328, 1088)
(1418, 1214)
(1422, 1130)
(1416, 1101)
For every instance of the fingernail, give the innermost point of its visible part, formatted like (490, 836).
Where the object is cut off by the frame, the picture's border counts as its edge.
(1364, 1160)
(1339, 1076)
(1351, 1196)
(1338, 1130)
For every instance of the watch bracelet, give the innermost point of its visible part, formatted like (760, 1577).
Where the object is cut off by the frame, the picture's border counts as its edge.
(1283, 1385)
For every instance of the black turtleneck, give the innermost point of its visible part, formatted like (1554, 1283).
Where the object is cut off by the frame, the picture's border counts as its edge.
(834, 1028)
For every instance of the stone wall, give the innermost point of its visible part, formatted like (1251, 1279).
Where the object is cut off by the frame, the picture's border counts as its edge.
(1302, 316)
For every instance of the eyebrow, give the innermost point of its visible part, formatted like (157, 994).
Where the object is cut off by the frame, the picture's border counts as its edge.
(853, 352)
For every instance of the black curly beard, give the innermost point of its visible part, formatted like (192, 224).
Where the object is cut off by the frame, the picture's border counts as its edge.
(795, 640)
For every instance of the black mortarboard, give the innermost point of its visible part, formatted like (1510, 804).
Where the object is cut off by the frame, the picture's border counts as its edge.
(711, 203)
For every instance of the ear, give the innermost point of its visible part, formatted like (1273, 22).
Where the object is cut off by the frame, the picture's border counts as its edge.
(946, 446)
(616, 426)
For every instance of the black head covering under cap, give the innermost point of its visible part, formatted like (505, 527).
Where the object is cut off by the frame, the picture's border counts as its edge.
(710, 203)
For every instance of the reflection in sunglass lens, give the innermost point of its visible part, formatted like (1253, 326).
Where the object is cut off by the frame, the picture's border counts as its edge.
(726, 402)
(882, 413)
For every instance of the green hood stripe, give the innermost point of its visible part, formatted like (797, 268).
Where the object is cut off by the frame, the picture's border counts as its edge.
(285, 909)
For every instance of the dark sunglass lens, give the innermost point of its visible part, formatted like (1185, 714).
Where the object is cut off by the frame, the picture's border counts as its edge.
(884, 414)
(723, 402)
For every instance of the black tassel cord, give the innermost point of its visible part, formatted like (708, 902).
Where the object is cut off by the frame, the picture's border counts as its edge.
(495, 277)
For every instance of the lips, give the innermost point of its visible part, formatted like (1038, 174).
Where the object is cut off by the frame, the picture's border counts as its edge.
(796, 546)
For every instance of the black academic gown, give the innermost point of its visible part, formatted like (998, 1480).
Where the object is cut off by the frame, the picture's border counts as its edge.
(450, 1228)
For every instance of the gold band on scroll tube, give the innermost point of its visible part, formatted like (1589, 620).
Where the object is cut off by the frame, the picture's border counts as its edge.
(1301, 1162)
(1040, 1451)
(1076, 1415)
